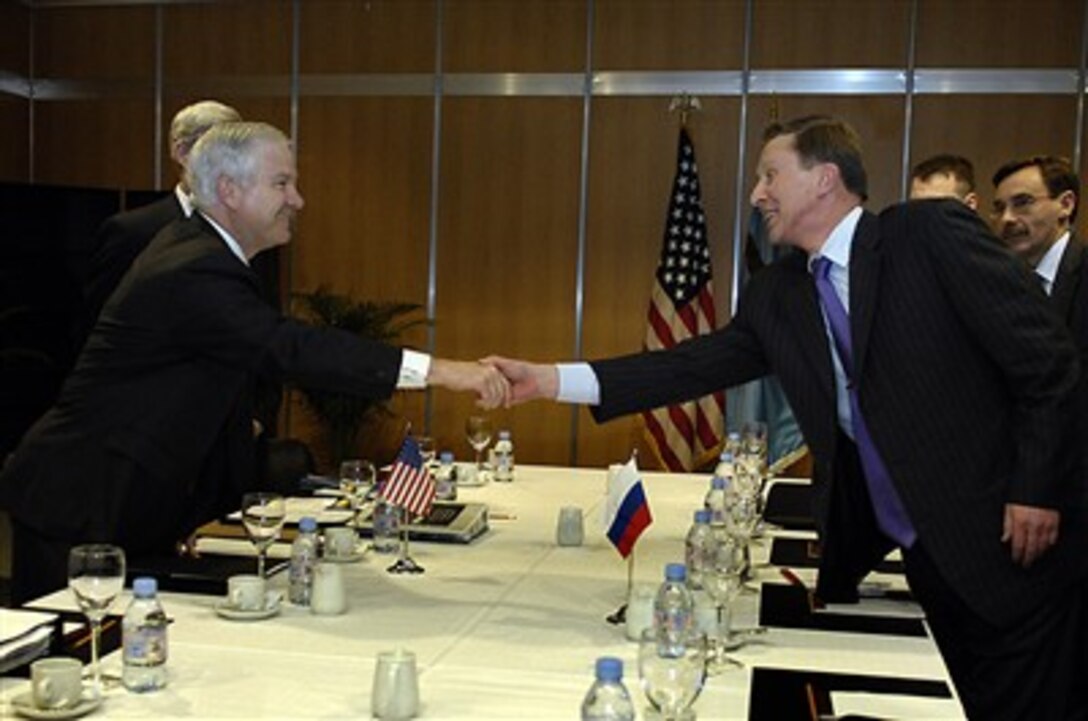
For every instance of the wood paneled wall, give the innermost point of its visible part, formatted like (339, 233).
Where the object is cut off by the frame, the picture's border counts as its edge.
(509, 170)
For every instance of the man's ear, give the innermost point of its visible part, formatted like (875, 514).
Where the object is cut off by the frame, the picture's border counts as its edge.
(227, 191)
(971, 201)
(829, 178)
(1068, 202)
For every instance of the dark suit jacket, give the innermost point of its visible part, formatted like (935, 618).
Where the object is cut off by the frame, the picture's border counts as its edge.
(155, 405)
(962, 372)
(1069, 297)
(121, 238)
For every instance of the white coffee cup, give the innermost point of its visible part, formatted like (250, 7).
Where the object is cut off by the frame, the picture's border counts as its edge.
(340, 542)
(56, 683)
(569, 529)
(395, 695)
(329, 598)
(640, 612)
(246, 592)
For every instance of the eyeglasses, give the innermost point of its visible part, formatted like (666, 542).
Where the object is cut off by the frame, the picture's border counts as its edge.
(1019, 204)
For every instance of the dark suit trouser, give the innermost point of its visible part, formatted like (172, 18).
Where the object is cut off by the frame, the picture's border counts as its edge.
(1031, 669)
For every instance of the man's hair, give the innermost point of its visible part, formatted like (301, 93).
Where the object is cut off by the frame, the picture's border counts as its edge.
(193, 121)
(955, 166)
(1057, 174)
(227, 150)
(824, 139)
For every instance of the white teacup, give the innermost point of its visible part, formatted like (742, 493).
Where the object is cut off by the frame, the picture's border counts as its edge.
(395, 695)
(246, 592)
(329, 598)
(340, 542)
(56, 683)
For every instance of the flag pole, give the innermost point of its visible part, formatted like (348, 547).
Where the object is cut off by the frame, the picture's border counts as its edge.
(620, 614)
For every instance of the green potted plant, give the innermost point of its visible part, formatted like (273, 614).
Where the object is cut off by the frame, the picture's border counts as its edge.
(340, 415)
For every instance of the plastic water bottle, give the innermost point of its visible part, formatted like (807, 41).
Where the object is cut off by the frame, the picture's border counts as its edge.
(698, 547)
(716, 497)
(300, 574)
(674, 609)
(445, 478)
(504, 458)
(386, 523)
(143, 639)
(608, 699)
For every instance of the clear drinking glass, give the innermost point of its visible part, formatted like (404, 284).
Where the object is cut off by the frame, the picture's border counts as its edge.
(722, 579)
(671, 673)
(263, 515)
(96, 574)
(357, 478)
(478, 432)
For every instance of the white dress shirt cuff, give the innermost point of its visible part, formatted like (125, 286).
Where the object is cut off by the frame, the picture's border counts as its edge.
(578, 384)
(414, 367)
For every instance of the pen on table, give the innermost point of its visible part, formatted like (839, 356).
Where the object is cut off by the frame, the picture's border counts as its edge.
(500, 516)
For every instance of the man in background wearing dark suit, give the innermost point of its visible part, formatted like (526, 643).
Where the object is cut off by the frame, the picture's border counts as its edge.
(123, 236)
(944, 176)
(1034, 212)
(928, 377)
(151, 434)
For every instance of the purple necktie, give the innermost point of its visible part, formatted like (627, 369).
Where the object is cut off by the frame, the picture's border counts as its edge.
(891, 516)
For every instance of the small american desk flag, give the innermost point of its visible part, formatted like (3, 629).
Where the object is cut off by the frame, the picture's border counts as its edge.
(410, 485)
(682, 306)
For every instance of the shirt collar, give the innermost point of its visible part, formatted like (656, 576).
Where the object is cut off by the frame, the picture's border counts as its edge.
(1047, 269)
(227, 238)
(185, 200)
(837, 246)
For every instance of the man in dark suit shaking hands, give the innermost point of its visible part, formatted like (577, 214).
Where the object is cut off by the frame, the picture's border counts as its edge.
(928, 377)
(151, 434)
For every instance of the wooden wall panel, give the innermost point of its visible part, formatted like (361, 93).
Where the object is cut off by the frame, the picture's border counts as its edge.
(95, 143)
(364, 169)
(95, 43)
(878, 120)
(15, 38)
(990, 130)
(632, 163)
(528, 36)
(380, 36)
(830, 33)
(209, 40)
(999, 33)
(668, 34)
(507, 252)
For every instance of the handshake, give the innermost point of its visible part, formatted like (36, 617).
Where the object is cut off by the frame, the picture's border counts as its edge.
(495, 380)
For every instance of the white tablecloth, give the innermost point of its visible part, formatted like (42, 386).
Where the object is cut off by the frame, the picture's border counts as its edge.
(507, 627)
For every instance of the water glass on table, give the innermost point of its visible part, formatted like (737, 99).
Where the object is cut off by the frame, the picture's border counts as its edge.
(96, 574)
(263, 515)
(672, 672)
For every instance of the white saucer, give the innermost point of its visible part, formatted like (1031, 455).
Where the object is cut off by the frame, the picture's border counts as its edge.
(355, 557)
(24, 706)
(271, 608)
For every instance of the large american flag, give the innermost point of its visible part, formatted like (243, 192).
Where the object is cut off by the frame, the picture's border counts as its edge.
(410, 485)
(682, 306)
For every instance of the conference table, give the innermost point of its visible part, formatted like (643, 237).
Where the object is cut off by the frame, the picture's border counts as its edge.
(508, 626)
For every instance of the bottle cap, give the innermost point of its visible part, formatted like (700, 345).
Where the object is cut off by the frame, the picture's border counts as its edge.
(734, 435)
(609, 668)
(717, 483)
(307, 524)
(676, 572)
(726, 457)
(702, 516)
(446, 457)
(504, 435)
(144, 587)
